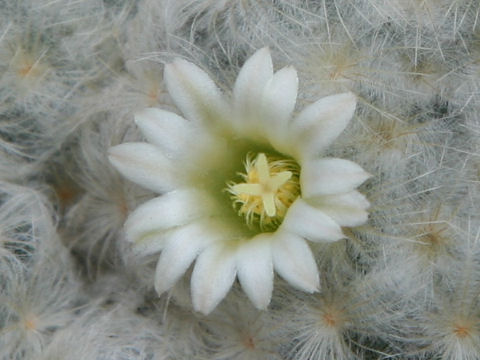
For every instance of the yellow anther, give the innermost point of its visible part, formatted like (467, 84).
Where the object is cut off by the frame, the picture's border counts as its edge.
(269, 188)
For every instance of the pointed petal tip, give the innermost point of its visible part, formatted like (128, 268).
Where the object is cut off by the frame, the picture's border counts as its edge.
(179, 64)
(265, 51)
(159, 285)
(118, 152)
(159, 289)
(171, 68)
(127, 236)
(262, 299)
(367, 205)
(167, 70)
(141, 115)
(349, 96)
(313, 283)
(114, 154)
(261, 306)
(204, 308)
(176, 61)
(310, 286)
(289, 70)
(166, 279)
(366, 176)
(261, 55)
(349, 100)
(340, 236)
(112, 150)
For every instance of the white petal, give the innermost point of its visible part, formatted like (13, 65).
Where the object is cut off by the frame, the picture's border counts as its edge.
(330, 176)
(212, 277)
(167, 130)
(149, 244)
(346, 209)
(194, 93)
(181, 248)
(310, 223)
(143, 164)
(277, 104)
(294, 261)
(255, 270)
(175, 208)
(320, 123)
(251, 82)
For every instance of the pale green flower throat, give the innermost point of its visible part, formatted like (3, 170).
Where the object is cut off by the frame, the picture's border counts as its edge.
(267, 189)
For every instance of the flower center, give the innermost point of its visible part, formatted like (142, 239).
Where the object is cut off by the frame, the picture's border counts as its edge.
(268, 188)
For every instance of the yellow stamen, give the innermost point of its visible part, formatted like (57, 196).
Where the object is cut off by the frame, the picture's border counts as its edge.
(268, 189)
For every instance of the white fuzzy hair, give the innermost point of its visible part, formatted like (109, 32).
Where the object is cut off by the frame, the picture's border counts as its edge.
(404, 285)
